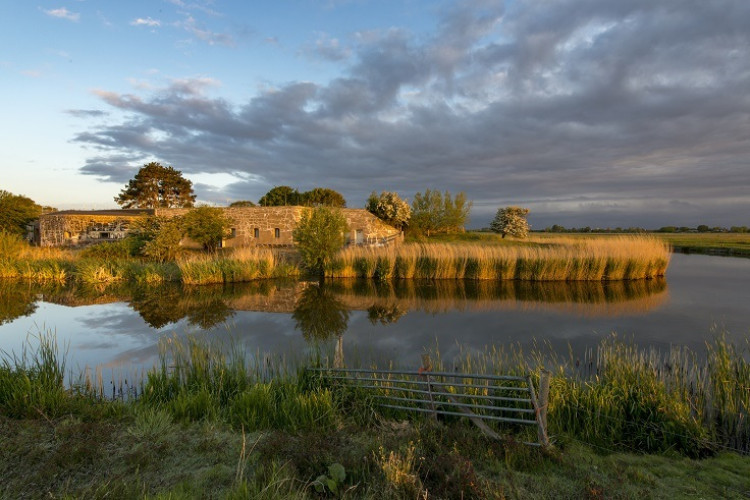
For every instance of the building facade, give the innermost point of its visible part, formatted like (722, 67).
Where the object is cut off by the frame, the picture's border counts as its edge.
(252, 226)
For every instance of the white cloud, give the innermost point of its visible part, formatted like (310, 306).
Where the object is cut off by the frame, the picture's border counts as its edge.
(63, 13)
(152, 23)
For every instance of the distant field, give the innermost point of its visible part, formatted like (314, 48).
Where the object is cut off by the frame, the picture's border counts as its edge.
(737, 244)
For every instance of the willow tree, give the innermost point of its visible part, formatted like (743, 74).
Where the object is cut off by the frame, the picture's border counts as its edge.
(156, 186)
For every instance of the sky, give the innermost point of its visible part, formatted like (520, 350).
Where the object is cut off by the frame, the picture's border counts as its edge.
(601, 113)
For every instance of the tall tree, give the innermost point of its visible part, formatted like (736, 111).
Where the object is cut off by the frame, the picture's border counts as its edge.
(280, 196)
(511, 221)
(16, 212)
(323, 197)
(455, 212)
(389, 207)
(156, 186)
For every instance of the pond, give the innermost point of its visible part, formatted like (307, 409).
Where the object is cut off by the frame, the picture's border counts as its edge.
(120, 326)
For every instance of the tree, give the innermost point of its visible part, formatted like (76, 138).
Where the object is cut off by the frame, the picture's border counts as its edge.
(280, 196)
(323, 197)
(426, 212)
(207, 226)
(156, 186)
(434, 211)
(389, 207)
(16, 212)
(242, 204)
(512, 221)
(455, 212)
(319, 235)
(319, 314)
(161, 237)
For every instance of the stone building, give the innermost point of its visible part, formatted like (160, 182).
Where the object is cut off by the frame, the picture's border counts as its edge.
(252, 226)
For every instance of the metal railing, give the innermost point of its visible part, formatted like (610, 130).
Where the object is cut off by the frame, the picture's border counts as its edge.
(481, 398)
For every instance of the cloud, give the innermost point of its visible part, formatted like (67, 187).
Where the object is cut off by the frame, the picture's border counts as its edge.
(200, 32)
(589, 112)
(152, 23)
(327, 48)
(86, 113)
(63, 13)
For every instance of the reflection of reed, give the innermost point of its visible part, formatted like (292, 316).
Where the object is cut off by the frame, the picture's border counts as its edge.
(585, 298)
(385, 302)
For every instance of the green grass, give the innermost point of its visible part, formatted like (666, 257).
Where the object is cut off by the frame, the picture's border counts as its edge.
(720, 243)
(211, 422)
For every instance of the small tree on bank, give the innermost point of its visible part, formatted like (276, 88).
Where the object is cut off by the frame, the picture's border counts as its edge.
(512, 221)
(207, 226)
(389, 207)
(436, 212)
(319, 235)
(16, 212)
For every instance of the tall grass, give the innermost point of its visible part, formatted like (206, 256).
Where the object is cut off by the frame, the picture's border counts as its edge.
(200, 380)
(620, 258)
(620, 396)
(242, 264)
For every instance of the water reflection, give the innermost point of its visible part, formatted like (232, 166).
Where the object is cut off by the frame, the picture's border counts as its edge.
(322, 310)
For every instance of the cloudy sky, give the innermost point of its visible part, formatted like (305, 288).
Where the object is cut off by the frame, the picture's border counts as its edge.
(589, 112)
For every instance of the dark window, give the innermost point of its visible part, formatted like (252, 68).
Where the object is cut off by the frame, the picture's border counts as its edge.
(234, 233)
(104, 235)
(256, 233)
(277, 232)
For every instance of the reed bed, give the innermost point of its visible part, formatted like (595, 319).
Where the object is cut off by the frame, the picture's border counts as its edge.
(243, 264)
(562, 259)
(617, 396)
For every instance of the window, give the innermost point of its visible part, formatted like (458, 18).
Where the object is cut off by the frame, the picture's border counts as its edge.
(277, 233)
(234, 232)
(256, 233)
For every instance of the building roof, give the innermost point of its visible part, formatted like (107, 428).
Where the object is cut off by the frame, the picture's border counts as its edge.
(127, 212)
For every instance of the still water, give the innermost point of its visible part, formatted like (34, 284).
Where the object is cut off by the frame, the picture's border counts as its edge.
(120, 326)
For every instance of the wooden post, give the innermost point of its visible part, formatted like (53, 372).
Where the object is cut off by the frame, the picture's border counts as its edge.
(541, 424)
(544, 379)
(425, 371)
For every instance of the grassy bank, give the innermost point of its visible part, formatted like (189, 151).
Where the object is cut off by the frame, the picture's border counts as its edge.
(735, 244)
(561, 259)
(209, 422)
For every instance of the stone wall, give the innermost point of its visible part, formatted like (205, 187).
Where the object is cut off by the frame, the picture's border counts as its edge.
(81, 227)
(252, 226)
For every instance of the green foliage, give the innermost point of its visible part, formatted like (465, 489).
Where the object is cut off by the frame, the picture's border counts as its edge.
(207, 226)
(389, 207)
(16, 212)
(242, 204)
(511, 221)
(156, 186)
(323, 197)
(280, 196)
(161, 237)
(319, 235)
(436, 212)
(11, 245)
(123, 249)
(331, 482)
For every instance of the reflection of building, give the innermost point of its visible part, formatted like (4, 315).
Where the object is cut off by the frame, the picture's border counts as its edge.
(267, 226)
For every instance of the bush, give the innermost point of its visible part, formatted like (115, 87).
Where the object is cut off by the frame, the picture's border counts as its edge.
(319, 235)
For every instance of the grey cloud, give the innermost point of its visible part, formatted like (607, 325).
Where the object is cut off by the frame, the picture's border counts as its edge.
(625, 105)
(86, 113)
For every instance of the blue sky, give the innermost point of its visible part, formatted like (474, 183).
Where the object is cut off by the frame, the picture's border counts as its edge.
(589, 112)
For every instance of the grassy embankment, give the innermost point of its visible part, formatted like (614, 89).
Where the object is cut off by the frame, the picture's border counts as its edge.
(207, 424)
(556, 259)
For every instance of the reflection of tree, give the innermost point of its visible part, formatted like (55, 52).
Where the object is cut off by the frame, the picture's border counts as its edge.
(208, 314)
(158, 305)
(319, 315)
(16, 300)
(384, 314)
